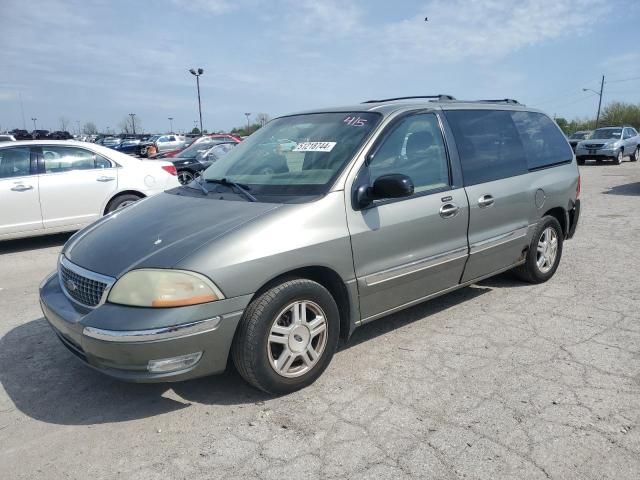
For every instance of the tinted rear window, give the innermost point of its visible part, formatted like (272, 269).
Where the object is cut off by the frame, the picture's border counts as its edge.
(543, 142)
(489, 145)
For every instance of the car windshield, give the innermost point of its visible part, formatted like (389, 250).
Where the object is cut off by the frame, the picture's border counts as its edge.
(297, 156)
(198, 147)
(154, 138)
(606, 133)
(580, 135)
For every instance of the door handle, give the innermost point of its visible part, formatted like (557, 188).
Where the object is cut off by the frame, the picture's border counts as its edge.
(485, 201)
(22, 188)
(449, 210)
(105, 179)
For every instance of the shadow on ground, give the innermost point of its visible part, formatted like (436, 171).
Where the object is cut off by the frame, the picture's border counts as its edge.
(49, 384)
(34, 243)
(631, 189)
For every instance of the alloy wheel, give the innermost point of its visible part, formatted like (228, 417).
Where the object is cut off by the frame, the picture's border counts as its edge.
(297, 338)
(547, 250)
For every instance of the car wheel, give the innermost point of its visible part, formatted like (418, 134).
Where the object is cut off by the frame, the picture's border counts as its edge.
(635, 155)
(122, 201)
(545, 250)
(287, 336)
(185, 177)
(619, 158)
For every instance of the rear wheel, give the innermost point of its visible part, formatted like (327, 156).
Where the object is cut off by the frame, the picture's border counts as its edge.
(287, 336)
(185, 177)
(545, 250)
(122, 201)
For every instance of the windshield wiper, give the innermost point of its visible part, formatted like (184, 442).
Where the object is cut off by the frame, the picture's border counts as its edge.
(202, 186)
(238, 186)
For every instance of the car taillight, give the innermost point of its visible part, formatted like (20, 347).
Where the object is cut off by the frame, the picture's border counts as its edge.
(170, 169)
(578, 188)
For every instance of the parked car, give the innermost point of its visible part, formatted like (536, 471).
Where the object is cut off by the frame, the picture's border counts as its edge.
(58, 186)
(191, 162)
(5, 137)
(169, 142)
(269, 269)
(223, 137)
(39, 134)
(21, 134)
(60, 135)
(577, 137)
(110, 141)
(128, 145)
(610, 143)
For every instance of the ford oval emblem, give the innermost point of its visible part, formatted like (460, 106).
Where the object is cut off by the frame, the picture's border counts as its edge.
(71, 286)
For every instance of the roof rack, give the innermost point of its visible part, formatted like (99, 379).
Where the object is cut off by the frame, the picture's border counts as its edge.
(440, 97)
(498, 100)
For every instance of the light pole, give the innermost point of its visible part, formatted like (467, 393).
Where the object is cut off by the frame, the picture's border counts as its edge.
(33, 119)
(247, 114)
(133, 122)
(171, 124)
(197, 75)
(599, 101)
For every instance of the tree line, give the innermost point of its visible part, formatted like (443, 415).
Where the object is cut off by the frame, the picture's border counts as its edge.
(615, 113)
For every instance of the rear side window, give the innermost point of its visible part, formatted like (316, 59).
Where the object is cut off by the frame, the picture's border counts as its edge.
(15, 162)
(543, 142)
(65, 159)
(489, 145)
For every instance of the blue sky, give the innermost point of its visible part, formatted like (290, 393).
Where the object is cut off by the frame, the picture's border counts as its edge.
(100, 60)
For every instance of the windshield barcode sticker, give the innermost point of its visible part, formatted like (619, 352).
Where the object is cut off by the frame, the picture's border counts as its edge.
(314, 147)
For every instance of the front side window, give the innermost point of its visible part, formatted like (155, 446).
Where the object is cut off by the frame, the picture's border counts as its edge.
(15, 162)
(65, 159)
(415, 148)
(543, 142)
(489, 145)
(321, 145)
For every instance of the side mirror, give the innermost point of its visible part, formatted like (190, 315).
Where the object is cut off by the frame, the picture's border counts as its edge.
(394, 185)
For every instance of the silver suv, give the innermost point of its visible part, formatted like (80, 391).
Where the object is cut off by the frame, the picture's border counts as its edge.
(274, 254)
(610, 143)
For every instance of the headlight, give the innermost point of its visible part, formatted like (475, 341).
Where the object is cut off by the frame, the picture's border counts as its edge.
(163, 288)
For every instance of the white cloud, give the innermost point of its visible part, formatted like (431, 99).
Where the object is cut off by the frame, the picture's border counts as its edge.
(486, 29)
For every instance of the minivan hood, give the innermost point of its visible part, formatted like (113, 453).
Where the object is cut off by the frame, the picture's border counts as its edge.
(157, 232)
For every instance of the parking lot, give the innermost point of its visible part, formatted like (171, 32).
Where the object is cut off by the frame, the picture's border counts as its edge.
(498, 380)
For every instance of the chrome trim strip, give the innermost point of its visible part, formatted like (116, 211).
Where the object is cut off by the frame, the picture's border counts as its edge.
(415, 266)
(434, 295)
(498, 240)
(109, 281)
(155, 334)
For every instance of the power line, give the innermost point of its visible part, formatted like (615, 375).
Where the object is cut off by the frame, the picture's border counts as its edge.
(623, 80)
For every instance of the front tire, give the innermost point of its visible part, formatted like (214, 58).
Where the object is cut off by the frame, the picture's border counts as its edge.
(635, 155)
(287, 336)
(545, 251)
(619, 158)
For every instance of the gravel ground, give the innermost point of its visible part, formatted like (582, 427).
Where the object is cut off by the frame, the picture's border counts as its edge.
(498, 380)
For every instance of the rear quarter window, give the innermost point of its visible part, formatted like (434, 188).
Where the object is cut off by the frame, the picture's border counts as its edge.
(543, 142)
(488, 143)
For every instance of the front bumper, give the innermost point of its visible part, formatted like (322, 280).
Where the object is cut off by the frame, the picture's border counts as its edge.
(596, 153)
(120, 341)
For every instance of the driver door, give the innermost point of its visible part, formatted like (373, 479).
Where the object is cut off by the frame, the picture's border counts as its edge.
(406, 249)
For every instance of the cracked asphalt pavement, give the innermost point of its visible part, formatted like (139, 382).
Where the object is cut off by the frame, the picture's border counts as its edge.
(498, 380)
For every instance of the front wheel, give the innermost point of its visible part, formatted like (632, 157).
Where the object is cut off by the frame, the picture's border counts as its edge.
(545, 250)
(619, 158)
(287, 336)
(635, 155)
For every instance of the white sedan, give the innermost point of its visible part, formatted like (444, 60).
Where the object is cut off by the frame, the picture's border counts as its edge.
(60, 186)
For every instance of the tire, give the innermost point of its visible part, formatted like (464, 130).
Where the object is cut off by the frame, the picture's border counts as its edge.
(185, 177)
(122, 201)
(635, 155)
(619, 158)
(580, 161)
(531, 271)
(267, 318)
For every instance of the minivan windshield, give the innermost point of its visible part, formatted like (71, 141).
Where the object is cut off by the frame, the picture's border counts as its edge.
(580, 135)
(294, 157)
(606, 133)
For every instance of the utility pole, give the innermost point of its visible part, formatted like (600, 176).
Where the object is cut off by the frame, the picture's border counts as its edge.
(599, 101)
(133, 122)
(171, 124)
(197, 73)
(33, 119)
(248, 114)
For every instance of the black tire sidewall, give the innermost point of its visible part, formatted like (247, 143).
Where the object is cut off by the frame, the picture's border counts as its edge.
(267, 379)
(531, 262)
(119, 200)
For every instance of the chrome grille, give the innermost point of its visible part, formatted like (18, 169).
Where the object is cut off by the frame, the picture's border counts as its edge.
(83, 286)
(595, 145)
